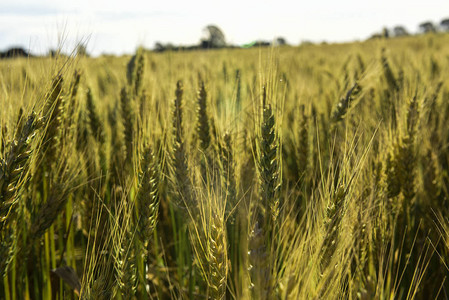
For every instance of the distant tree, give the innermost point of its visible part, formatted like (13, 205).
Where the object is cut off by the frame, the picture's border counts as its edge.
(385, 33)
(400, 31)
(81, 50)
(14, 52)
(280, 41)
(214, 37)
(306, 43)
(262, 44)
(427, 27)
(158, 47)
(53, 53)
(445, 24)
(375, 36)
(204, 44)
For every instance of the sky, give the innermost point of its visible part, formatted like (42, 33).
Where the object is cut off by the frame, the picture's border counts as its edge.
(119, 27)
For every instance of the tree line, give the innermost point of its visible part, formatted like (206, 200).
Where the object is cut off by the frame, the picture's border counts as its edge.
(214, 38)
(423, 28)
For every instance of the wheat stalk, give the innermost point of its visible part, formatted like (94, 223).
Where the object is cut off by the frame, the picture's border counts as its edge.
(263, 237)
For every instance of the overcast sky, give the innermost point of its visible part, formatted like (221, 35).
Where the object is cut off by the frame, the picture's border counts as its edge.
(111, 26)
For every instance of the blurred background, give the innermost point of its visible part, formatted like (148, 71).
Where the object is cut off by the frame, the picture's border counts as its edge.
(118, 27)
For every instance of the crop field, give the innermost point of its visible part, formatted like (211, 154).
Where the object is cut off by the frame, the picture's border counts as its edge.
(310, 172)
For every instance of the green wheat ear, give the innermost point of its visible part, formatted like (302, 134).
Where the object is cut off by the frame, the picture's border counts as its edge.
(128, 115)
(406, 153)
(391, 173)
(97, 130)
(53, 115)
(13, 171)
(268, 162)
(15, 165)
(135, 72)
(71, 104)
(344, 104)
(203, 121)
(57, 198)
(263, 237)
(125, 266)
(4, 134)
(303, 142)
(147, 204)
(181, 180)
(229, 185)
(334, 215)
(388, 73)
(96, 125)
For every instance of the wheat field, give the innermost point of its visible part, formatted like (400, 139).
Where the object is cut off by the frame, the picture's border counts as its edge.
(310, 172)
